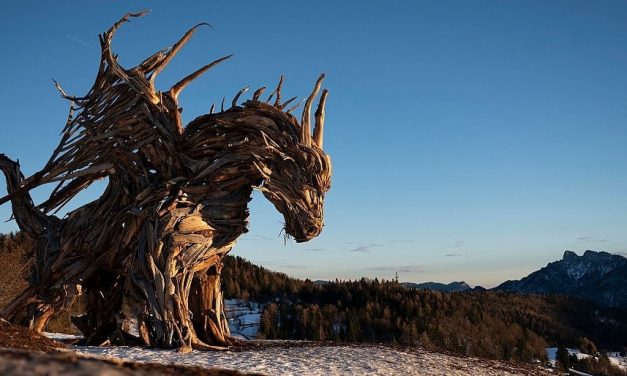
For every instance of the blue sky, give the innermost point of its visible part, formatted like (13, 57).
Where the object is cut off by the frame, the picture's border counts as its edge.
(471, 141)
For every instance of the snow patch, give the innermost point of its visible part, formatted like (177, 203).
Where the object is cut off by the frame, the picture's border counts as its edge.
(244, 317)
(618, 360)
(576, 271)
(614, 357)
(61, 336)
(551, 353)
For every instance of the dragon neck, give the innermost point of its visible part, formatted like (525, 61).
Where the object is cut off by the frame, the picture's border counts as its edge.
(229, 154)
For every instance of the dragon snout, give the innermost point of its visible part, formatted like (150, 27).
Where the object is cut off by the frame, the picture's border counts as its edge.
(308, 232)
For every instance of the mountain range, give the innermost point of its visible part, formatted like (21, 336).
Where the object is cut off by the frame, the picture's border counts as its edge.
(451, 287)
(597, 276)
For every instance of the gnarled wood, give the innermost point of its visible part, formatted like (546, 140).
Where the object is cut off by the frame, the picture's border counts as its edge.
(151, 247)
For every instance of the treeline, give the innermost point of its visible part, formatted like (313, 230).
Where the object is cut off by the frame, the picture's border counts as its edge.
(485, 324)
(373, 311)
(244, 280)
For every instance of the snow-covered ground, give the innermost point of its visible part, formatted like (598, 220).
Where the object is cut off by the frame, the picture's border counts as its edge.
(617, 360)
(614, 357)
(244, 317)
(308, 358)
(551, 353)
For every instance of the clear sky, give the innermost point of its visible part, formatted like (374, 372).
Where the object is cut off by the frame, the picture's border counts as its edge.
(471, 141)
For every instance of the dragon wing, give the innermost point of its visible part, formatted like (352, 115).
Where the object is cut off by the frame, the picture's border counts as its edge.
(123, 126)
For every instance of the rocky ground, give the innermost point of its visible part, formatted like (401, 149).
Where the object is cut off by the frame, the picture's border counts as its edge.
(17, 337)
(22, 363)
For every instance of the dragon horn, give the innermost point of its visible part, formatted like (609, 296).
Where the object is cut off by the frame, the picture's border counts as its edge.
(305, 131)
(319, 129)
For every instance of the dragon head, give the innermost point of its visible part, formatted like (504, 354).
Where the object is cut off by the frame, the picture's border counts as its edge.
(297, 179)
(296, 187)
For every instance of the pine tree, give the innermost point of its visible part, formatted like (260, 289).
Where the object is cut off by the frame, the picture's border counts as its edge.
(562, 358)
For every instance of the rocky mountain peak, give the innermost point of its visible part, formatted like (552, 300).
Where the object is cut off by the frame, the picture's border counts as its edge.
(598, 276)
(569, 256)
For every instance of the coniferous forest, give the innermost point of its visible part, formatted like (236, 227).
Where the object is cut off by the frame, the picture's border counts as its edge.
(476, 323)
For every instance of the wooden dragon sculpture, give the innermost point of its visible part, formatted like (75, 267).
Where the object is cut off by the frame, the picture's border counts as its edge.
(151, 247)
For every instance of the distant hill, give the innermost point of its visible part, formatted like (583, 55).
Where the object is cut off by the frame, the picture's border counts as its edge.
(436, 286)
(597, 276)
(321, 282)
